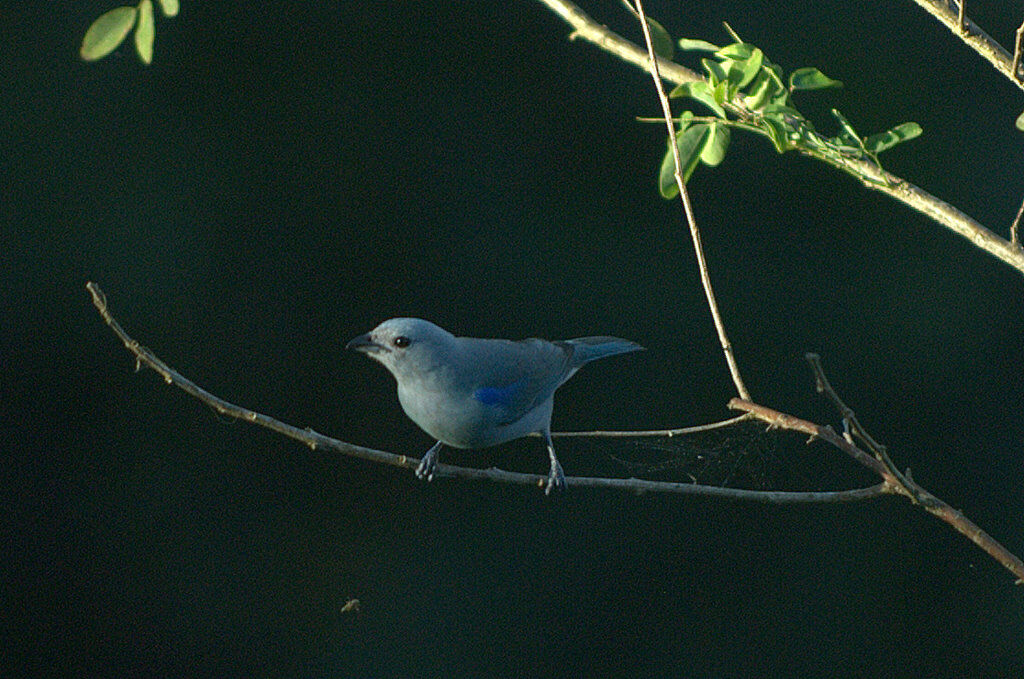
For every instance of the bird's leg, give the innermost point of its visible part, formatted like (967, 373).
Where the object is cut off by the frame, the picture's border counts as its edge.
(556, 477)
(425, 470)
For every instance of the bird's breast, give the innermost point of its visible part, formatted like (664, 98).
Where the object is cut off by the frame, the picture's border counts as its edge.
(462, 421)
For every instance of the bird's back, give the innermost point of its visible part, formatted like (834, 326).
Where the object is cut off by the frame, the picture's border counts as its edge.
(516, 377)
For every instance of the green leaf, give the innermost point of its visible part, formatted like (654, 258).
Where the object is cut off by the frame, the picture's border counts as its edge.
(883, 141)
(1020, 122)
(697, 45)
(721, 92)
(811, 79)
(762, 90)
(734, 74)
(145, 31)
(690, 145)
(751, 67)
(778, 132)
(782, 112)
(702, 92)
(661, 40)
(107, 32)
(737, 51)
(907, 131)
(787, 124)
(780, 96)
(716, 72)
(848, 131)
(169, 7)
(716, 145)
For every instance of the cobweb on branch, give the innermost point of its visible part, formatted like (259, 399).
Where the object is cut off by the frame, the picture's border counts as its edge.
(743, 455)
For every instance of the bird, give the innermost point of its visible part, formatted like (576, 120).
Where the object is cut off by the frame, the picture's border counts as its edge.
(469, 392)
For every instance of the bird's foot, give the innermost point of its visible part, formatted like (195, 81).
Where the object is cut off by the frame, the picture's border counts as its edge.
(556, 479)
(426, 467)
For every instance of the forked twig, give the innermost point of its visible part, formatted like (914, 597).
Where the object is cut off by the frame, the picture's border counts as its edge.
(897, 483)
(853, 427)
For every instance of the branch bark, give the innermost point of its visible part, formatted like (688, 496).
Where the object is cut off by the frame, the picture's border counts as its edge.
(975, 38)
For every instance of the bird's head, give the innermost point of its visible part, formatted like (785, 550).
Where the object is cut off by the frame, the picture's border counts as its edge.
(405, 346)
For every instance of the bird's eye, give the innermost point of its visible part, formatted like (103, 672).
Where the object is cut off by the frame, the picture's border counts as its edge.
(401, 341)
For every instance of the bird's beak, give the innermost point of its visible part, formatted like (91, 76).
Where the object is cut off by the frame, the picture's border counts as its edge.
(365, 344)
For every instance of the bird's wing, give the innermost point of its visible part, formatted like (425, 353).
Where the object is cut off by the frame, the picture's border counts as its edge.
(513, 378)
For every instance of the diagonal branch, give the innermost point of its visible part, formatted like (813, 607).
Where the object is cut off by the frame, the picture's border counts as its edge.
(906, 487)
(877, 180)
(975, 38)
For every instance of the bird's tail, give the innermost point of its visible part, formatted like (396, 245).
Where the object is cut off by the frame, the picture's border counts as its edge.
(587, 349)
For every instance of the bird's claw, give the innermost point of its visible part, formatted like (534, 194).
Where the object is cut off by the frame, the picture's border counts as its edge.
(556, 479)
(425, 469)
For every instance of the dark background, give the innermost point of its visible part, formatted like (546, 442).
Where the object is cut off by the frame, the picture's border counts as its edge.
(286, 175)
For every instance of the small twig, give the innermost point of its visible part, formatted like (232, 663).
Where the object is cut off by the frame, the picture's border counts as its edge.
(1018, 48)
(1015, 227)
(317, 441)
(961, 17)
(684, 195)
(666, 433)
(827, 434)
(924, 499)
(850, 419)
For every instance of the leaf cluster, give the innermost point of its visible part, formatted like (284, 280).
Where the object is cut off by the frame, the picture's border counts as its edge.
(743, 89)
(110, 29)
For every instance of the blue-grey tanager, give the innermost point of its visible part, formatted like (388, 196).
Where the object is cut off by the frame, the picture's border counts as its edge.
(474, 393)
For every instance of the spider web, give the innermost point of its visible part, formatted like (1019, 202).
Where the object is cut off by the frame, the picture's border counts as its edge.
(743, 455)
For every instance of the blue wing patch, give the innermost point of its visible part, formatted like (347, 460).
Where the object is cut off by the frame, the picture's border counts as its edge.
(498, 396)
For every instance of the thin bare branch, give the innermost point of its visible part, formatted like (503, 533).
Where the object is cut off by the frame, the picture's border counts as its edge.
(1015, 227)
(877, 180)
(664, 433)
(317, 441)
(702, 264)
(974, 37)
(779, 420)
